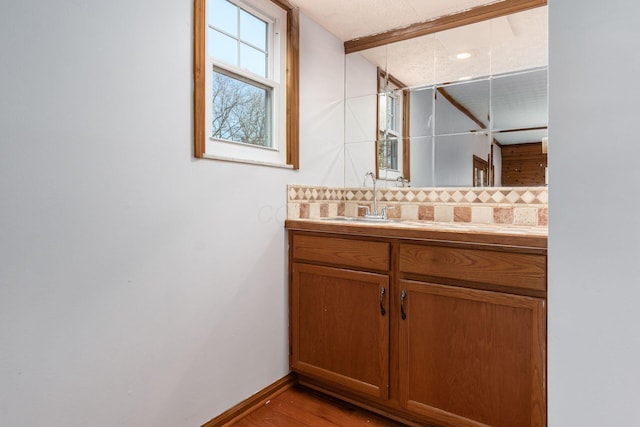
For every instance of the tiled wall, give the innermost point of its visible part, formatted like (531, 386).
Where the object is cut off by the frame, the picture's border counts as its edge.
(513, 206)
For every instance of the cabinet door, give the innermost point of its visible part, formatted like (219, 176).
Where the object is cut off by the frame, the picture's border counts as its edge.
(340, 327)
(471, 357)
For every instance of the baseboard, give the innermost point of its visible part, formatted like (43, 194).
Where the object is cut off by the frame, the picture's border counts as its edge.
(253, 402)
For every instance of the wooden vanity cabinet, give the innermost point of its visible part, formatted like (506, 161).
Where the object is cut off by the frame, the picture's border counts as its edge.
(438, 333)
(339, 320)
(472, 357)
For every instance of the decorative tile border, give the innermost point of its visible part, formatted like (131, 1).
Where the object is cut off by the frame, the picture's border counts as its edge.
(301, 193)
(512, 206)
(508, 195)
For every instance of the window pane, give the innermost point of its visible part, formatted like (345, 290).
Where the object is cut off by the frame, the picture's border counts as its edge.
(222, 47)
(241, 111)
(387, 108)
(253, 30)
(391, 113)
(388, 153)
(223, 15)
(382, 111)
(253, 60)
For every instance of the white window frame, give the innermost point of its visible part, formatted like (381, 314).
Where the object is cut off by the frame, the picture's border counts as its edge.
(393, 132)
(276, 155)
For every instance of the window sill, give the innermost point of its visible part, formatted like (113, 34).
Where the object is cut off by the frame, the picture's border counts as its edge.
(246, 161)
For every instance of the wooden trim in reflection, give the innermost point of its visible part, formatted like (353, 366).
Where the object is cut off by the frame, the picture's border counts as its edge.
(377, 134)
(284, 4)
(377, 148)
(521, 129)
(492, 167)
(460, 107)
(383, 75)
(483, 165)
(470, 16)
(406, 129)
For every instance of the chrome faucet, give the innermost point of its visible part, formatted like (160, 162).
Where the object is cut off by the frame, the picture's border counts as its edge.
(401, 181)
(375, 214)
(375, 193)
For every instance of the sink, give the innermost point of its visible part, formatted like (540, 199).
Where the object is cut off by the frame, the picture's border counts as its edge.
(357, 219)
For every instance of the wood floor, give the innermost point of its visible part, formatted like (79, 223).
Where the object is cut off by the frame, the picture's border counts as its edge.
(299, 406)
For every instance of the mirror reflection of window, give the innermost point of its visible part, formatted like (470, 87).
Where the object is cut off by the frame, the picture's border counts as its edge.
(388, 154)
(388, 113)
(390, 129)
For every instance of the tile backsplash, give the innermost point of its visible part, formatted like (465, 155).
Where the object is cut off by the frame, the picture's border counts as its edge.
(484, 205)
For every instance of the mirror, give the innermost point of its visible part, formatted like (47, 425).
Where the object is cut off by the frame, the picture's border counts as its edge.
(462, 107)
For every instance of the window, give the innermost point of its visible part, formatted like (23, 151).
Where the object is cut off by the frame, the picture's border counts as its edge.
(388, 132)
(246, 81)
(392, 145)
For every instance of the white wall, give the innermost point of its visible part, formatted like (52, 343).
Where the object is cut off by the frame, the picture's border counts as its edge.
(138, 286)
(453, 153)
(453, 156)
(361, 95)
(594, 236)
(321, 107)
(421, 120)
(422, 170)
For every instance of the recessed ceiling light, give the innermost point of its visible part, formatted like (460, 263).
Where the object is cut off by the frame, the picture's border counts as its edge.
(463, 55)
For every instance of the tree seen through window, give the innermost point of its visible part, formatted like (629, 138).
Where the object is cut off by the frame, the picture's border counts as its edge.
(241, 111)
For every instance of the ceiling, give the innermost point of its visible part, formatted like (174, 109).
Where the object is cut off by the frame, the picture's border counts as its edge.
(352, 19)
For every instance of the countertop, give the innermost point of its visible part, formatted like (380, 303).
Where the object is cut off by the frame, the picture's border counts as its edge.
(469, 233)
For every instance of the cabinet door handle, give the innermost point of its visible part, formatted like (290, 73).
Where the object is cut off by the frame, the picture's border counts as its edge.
(403, 295)
(382, 310)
